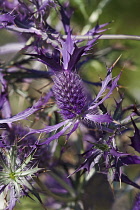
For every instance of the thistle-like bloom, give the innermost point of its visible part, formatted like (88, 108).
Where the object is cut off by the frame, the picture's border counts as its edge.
(15, 176)
(69, 90)
(19, 158)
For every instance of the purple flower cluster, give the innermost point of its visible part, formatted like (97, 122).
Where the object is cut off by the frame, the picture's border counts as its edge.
(27, 158)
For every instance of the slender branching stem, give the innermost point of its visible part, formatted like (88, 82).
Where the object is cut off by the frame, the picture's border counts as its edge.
(106, 36)
(48, 192)
(78, 37)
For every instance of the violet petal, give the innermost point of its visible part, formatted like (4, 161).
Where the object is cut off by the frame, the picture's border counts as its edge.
(27, 112)
(99, 118)
(57, 135)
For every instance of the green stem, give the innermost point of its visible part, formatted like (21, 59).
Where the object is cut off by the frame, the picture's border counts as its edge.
(83, 37)
(105, 36)
(48, 192)
(62, 183)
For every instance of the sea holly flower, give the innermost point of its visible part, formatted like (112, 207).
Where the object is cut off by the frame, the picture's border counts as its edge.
(22, 154)
(15, 175)
(69, 91)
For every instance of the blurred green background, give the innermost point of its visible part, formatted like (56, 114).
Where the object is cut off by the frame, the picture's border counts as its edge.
(126, 19)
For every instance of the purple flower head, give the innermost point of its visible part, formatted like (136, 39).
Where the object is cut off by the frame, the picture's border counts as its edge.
(69, 94)
(72, 101)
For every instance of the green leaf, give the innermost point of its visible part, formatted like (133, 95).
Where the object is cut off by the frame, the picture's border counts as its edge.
(29, 172)
(26, 161)
(3, 163)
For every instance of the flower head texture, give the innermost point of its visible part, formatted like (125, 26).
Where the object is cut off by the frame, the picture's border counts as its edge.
(15, 176)
(69, 94)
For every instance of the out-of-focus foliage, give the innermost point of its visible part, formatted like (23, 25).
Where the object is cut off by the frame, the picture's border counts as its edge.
(126, 18)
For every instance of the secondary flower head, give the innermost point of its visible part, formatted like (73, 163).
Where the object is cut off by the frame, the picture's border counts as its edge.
(15, 175)
(20, 159)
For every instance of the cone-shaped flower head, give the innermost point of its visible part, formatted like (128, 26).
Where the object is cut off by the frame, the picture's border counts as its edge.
(69, 94)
